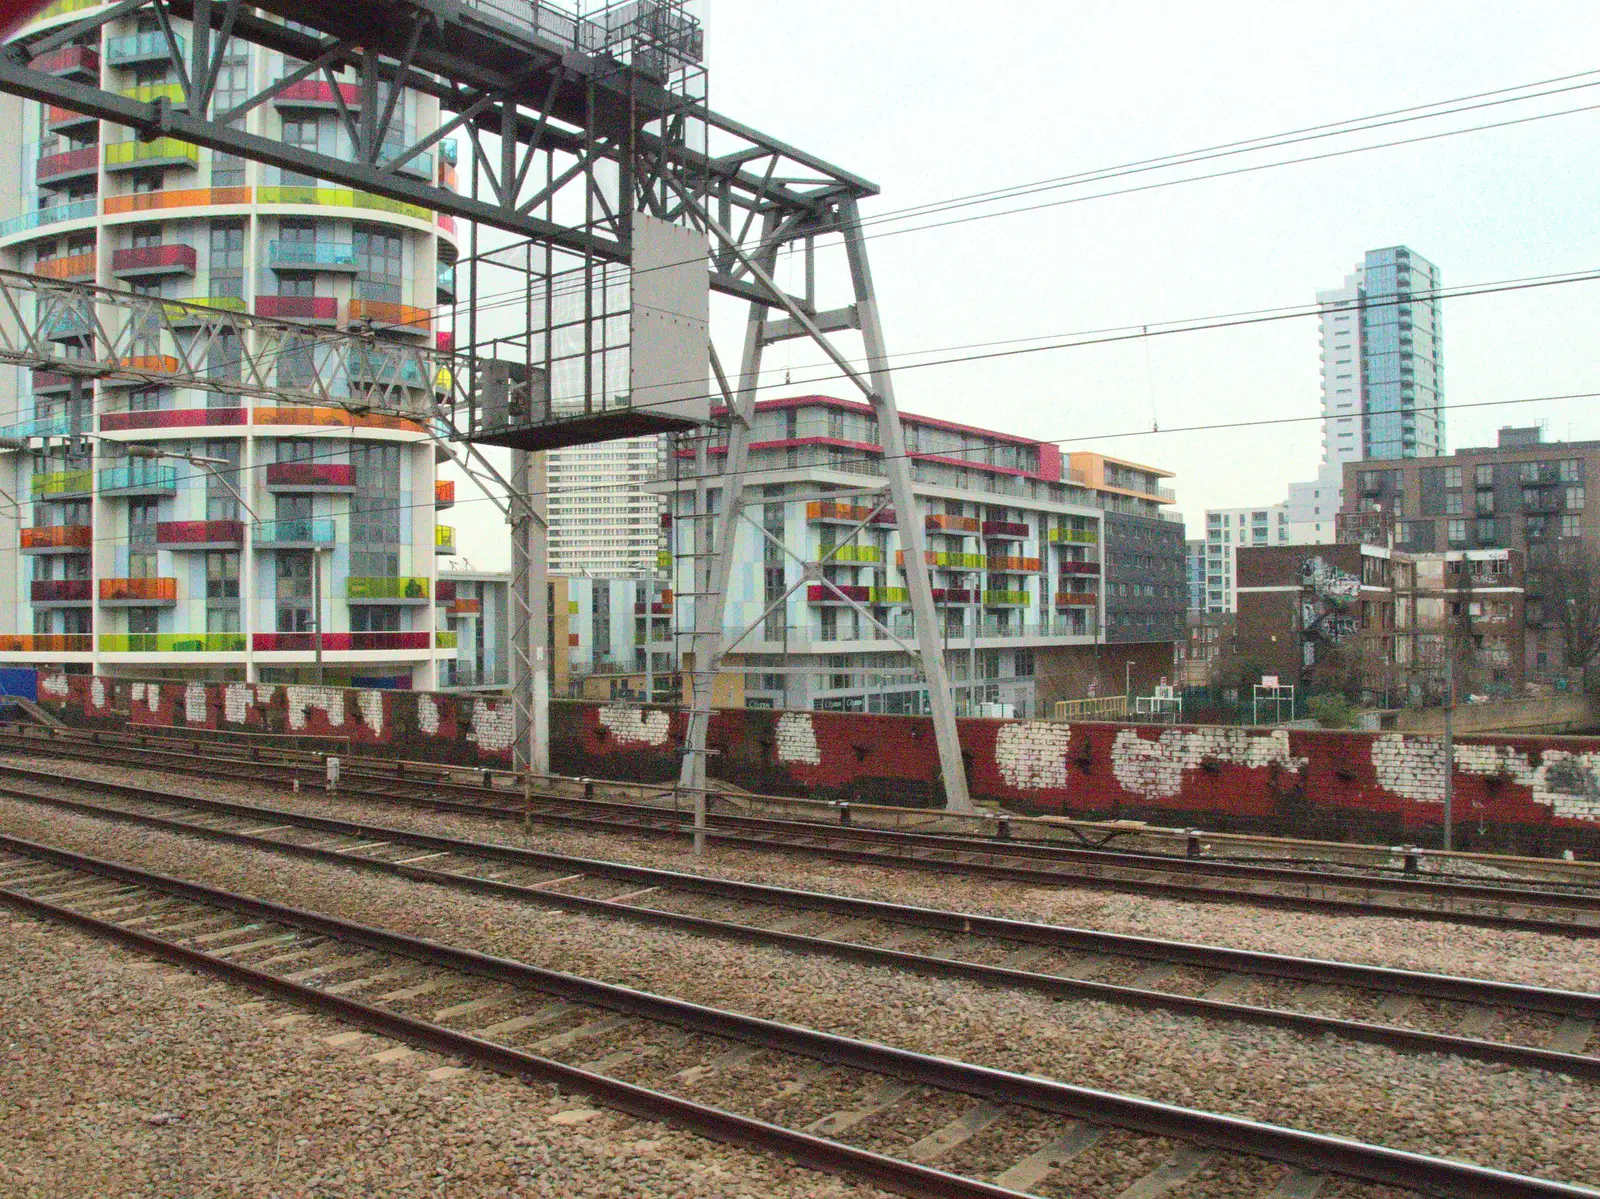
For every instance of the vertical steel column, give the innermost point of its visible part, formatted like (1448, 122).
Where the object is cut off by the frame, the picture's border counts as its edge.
(908, 518)
(714, 541)
(530, 614)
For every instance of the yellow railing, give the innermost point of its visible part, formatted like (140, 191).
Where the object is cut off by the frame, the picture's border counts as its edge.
(339, 197)
(62, 482)
(171, 643)
(130, 152)
(1109, 707)
(854, 553)
(1075, 536)
(444, 539)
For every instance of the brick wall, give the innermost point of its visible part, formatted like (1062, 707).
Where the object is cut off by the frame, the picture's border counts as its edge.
(1531, 794)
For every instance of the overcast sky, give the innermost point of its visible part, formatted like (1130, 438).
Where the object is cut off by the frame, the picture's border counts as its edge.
(937, 100)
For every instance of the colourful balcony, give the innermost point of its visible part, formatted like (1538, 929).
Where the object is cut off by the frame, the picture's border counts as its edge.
(331, 642)
(46, 643)
(1078, 568)
(57, 539)
(889, 595)
(171, 418)
(447, 223)
(944, 522)
(444, 493)
(61, 484)
(384, 368)
(61, 119)
(150, 46)
(199, 310)
(311, 476)
(839, 593)
(53, 215)
(946, 560)
(447, 284)
(171, 643)
(200, 534)
(823, 510)
(1012, 564)
(444, 540)
(162, 152)
(150, 261)
(1075, 536)
(446, 639)
(321, 310)
(954, 595)
(55, 383)
(397, 318)
(446, 342)
(49, 426)
(55, 169)
(311, 256)
(468, 607)
(147, 364)
(399, 590)
(444, 591)
(1005, 528)
(149, 93)
(1076, 599)
(1005, 598)
(188, 197)
(138, 593)
(663, 561)
(853, 553)
(67, 266)
(60, 591)
(318, 94)
(62, 7)
(138, 477)
(338, 197)
(662, 606)
(312, 415)
(70, 61)
(310, 533)
(67, 325)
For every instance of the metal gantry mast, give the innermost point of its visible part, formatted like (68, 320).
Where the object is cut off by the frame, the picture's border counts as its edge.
(592, 142)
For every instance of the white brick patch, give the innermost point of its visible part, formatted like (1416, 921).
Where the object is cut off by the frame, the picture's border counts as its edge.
(265, 692)
(236, 699)
(1155, 769)
(194, 703)
(1410, 767)
(137, 694)
(56, 685)
(493, 726)
(97, 692)
(303, 699)
(636, 726)
(1567, 783)
(1032, 756)
(371, 705)
(427, 715)
(797, 739)
(152, 697)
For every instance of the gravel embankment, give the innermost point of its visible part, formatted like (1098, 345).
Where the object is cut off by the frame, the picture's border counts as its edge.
(1423, 1103)
(145, 1082)
(1512, 956)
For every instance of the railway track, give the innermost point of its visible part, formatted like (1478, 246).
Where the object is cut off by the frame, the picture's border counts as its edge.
(851, 1107)
(1410, 1011)
(1546, 908)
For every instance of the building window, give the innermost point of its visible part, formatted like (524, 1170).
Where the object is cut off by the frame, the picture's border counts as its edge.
(1484, 474)
(1485, 502)
(1452, 476)
(1571, 524)
(221, 503)
(1452, 503)
(294, 592)
(226, 264)
(222, 575)
(1572, 470)
(1486, 530)
(1456, 530)
(1575, 497)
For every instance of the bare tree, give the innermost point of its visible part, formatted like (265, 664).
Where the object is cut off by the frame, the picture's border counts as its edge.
(1571, 591)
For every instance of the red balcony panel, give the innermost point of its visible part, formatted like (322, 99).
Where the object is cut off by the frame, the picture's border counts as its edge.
(60, 591)
(298, 308)
(45, 382)
(816, 593)
(152, 260)
(171, 418)
(422, 640)
(1004, 528)
(656, 609)
(954, 595)
(444, 591)
(444, 493)
(310, 474)
(69, 60)
(65, 116)
(68, 162)
(318, 91)
(267, 642)
(446, 342)
(1080, 568)
(199, 532)
(1075, 599)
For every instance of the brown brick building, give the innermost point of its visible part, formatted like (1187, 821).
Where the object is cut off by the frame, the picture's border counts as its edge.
(1523, 494)
(1382, 622)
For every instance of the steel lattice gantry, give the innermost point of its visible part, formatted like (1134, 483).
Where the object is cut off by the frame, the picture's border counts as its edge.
(591, 142)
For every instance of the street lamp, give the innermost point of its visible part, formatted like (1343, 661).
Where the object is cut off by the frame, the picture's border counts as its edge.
(1127, 684)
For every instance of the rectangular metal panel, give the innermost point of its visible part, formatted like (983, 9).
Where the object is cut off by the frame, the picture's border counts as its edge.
(670, 374)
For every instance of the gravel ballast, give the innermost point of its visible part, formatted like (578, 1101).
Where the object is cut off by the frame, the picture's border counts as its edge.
(1424, 1103)
(123, 1078)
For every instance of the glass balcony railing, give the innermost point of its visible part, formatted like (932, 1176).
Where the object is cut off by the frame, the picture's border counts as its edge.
(174, 258)
(56, 213)
(46, 643)
(311, 531)
(403, 318)
(1075, 536)
(171, 643)
(61, 7)
(310, 255)
(319, 475)
(48, 426)
(59, 484)
(58, 537)
(307, 642)
(339, 197)
(67, 266)
(199, 534)
(138, 591)
(444, 539)
(398, 588)
(1006, 598)
(142, 47)
(190, 197)
(163, 151)
(142, 478)
(171, 418)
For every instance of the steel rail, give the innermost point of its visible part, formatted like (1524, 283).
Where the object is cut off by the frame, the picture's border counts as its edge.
(1573, 1004)
(1308, 1150)
(992, 857)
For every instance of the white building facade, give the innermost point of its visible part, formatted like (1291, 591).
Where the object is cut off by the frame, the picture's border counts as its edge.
(1227, 530)
(604, 522)
(305, 547)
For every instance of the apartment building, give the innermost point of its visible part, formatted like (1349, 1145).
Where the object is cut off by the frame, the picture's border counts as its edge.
(1391, 625)
(1227, 531)
(1016, 534)
(476, 606)
(1522, 493)
(304, 545)
(605, 522)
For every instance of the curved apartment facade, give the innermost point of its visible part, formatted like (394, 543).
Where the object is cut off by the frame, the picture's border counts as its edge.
(268, 541)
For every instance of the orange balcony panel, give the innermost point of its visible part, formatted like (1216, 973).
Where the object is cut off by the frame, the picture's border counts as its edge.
(402, 317)
(61, 118)
(194, 197)
(46, 643)
(67, 266)
(311, 415)
(465, 607)
(164, 364)
(951, 524)
(51, 537)
(444, 493)
(158, 590)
